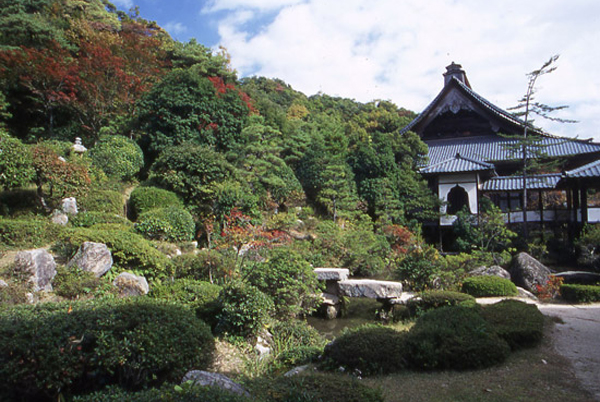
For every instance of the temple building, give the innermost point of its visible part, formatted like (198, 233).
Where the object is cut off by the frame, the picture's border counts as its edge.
(473, 153)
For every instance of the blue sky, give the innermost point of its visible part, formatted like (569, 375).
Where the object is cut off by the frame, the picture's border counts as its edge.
(398, 49)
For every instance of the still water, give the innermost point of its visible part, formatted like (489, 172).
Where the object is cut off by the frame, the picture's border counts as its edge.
(359, 311)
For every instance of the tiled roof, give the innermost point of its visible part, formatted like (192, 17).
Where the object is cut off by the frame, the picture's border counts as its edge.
(457, 164)
(496, 148)
(590, 170)
(515, 183)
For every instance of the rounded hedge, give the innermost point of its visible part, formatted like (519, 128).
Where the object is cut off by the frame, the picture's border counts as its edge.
(27, 233)
(192, 293)
(118, 156)
(372, 349)
(168, 224)
(489, 285)
(454, 337)
(89, 219)
(143, 199)
(76, 347)
(518, 323)
(107, 201)
(580, 293)
(432, 299)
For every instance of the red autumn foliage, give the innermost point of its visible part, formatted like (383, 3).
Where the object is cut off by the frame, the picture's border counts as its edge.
(400, 238)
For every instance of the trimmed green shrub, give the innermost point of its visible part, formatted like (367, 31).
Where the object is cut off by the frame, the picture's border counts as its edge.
(89, 219)
(192, 293)
(82, 346)
(16, 168)
(167, 224)
(488, 285)
(372, 349)
(166, 393)
(22, 233)
(314, 387)
(580, 293)
(289, 280)
(518, 323)
(438, 298)
(130, 251)
(298, 356)
(456, 338)
(143, 199)
(73, 282)
(421, 268)
(207, 265)
(108, 201)
(245, 310)
(118, 156)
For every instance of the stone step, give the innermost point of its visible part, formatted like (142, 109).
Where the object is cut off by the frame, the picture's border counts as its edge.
(370, 288)
(332, 274)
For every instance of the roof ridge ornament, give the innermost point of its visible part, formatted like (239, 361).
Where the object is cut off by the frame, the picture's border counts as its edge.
(455, 71)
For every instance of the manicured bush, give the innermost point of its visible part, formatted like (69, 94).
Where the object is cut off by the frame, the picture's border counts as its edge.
(314, 387)
(372, 349)
(580, 293)
(73, 282)
(206, 265)
(166, 393)
(143, 199)
(438, 298)
(167, 224)
(289, 280)
(78, 346)
(27, 233)
(89, 219)
(192, 293)
(518, 323)
(455, 338)
(245, 310)
(118, 156)
(298, 356)
(129, 250)
(489, 285)
(108, 201)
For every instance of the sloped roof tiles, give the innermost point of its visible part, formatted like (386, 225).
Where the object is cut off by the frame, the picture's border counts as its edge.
(515, 183)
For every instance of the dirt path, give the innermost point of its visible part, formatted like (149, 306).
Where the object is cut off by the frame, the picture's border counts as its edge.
(576, 336)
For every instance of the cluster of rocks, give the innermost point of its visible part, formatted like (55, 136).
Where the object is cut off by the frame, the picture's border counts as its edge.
(38, 268)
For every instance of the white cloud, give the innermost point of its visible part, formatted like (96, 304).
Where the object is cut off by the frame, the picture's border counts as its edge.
(397, 50)
(124, 4)
(175, 28)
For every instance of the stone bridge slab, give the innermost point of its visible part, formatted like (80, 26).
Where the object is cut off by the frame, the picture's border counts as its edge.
(370, 288)
(332, 274)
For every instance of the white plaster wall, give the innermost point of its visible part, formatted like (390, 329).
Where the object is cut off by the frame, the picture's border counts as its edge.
(470, 188)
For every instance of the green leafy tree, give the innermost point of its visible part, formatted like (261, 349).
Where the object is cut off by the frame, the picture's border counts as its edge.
(338, 193)
(16, 169)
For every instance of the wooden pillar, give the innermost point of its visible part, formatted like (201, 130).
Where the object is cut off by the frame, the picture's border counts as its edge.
(584, 204)
(541, 200)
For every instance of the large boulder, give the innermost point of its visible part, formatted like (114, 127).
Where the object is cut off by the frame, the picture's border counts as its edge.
(93, 257)
(527, 272)
(494, 270)
(69, 206)
(579, 277)
(131, 285)
(37, 266)
(207, 379)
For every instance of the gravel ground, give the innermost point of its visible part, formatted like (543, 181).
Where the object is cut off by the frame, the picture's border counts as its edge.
(576, 336)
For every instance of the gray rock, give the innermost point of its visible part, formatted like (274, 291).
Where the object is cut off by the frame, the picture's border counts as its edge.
(297, 370)
(494, 270)
(579, 277)
(371, 289)
(38, 266)
(131, 285)
(3, 284)
(207, 379)
(93, 257)
(69, 206)
(527, 272)
(59, 218)
(332, 274)
(525, 294)
(330, 299)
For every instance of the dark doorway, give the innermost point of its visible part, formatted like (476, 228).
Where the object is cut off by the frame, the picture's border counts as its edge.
(457, 199)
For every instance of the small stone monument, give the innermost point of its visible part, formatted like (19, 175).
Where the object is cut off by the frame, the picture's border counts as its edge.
(78, 146)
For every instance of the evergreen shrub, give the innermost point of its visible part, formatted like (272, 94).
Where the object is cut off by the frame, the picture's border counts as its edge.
(372, 349)
(488, 285)
(27, 233)
(314, 387)
(206, 265)
(129, 250)
(97, 200)
(81, 346)
(89, 219)
(192, 293)
(518, 323)
(244, 310)
(432, 299)
(118, 156)
(143, 199)
(580, 293)
(454, 337)
(168, 224)
(72, 283)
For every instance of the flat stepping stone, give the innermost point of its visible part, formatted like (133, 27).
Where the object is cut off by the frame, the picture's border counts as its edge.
(370, 289)
(332, 274)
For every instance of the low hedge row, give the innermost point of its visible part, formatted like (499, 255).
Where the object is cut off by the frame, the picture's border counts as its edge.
(198, 295)
(53, 349)
(168, 224)
(580, 293)
(488, 285)
(89, 219)
(143, 199)
(451, 337)
(27, 233)
(438, 298)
